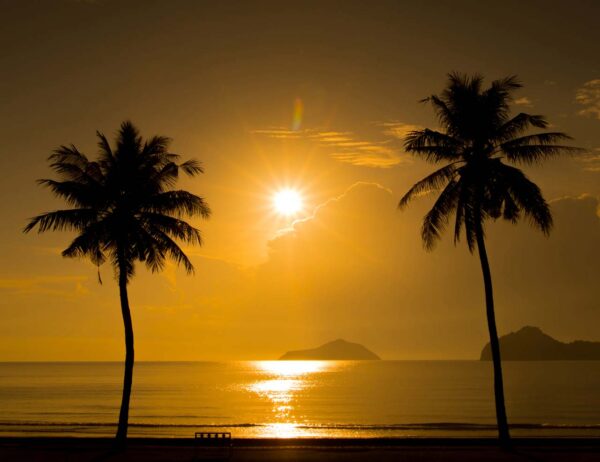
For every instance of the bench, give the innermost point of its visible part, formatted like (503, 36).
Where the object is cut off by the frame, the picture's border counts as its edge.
(213, 445)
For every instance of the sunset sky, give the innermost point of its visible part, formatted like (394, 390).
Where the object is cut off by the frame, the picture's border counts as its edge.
(309, 96)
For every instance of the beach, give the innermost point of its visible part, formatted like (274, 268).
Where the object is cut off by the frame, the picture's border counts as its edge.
(407, 450)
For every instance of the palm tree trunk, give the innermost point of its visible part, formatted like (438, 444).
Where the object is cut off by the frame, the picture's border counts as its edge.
(121, 435)
(503, 432)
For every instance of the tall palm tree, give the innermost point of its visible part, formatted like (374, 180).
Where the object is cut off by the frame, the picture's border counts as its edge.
(124, 210)
(478, 137)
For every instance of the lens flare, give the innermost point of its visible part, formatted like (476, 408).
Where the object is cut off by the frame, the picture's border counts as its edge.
(298, 113)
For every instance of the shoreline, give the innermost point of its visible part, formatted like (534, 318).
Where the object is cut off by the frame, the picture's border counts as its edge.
(51, 449)
(317, 442)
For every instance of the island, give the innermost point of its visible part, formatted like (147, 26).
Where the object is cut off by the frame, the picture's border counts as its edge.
(531, 344)
(333, 351)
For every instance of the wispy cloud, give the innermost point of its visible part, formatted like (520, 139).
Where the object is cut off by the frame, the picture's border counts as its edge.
(66, 286)
(589, 96)
(397, 129)
(356, 189)
(591, 161)
(524, 101)
(346, 146)
(280, 133)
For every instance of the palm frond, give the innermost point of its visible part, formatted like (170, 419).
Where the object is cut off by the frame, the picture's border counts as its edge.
(147, 249)
(104, 145)
(519, 124)
(431, 182)
(192, 167)
(506, 85)
(511, 210)
(129, 141)
(166, 176)
(171, 248)
(61, 220)
(87, 244)
(74, 192)
(528, 197)
(496, 99)
(444, 114)
(178, 203)
(171, 226)
(434, 146)
(534, 153)
(437, 218)
(546, 138)
(68, 154)
(156, 145)
(459, 83)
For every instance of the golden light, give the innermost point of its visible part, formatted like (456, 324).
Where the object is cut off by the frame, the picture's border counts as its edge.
(291, 368)
(280, 383)
(284, 378)
(287, 202)
(283, 430)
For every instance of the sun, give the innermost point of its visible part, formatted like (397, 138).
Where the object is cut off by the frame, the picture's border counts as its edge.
(287, 202)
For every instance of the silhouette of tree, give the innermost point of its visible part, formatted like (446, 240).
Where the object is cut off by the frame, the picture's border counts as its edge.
(477, 136)
(124, 210)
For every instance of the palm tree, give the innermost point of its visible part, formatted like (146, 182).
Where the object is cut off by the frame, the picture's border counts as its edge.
(478, 137)
(124, 209)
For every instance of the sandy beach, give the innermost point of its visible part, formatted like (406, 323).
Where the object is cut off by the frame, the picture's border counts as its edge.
(407, 450)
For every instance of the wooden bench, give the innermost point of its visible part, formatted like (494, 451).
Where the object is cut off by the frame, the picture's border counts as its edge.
(213, 445)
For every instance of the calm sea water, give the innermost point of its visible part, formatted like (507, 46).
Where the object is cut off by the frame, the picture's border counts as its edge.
(300, 398)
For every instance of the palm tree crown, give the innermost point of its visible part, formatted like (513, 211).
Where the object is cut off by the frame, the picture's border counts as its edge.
(478, 136)
(124, 206)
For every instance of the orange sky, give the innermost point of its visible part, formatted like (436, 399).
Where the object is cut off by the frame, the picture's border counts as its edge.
(223, 80)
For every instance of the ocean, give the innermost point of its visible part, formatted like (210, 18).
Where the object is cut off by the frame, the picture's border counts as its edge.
(300, 398)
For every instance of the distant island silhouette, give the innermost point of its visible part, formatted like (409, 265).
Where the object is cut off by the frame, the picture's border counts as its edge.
(337, 350)
(531, 344)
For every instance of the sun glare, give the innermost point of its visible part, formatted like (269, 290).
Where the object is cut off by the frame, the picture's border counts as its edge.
(291, 368)
(287, 202)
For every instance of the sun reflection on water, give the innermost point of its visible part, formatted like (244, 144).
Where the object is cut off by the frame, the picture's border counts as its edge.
(291, 368)
(281, 383)
(283, 430)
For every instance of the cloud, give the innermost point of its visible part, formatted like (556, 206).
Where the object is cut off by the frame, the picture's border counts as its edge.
(68, 286)
(398, 130)
(524, 101)
(591, 160)
(589, 96)
(280, 133)
(357, 193)
(345, 146)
